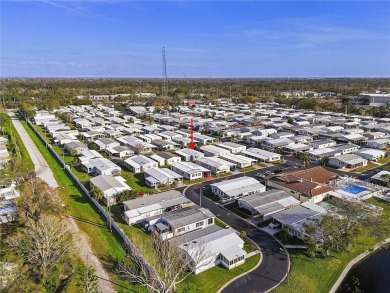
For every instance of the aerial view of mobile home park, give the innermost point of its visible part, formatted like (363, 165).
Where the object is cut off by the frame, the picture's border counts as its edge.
(194, 146)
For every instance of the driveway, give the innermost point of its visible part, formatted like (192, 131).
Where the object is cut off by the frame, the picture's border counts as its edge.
(270, 231)
(42, 169)
(275, 264)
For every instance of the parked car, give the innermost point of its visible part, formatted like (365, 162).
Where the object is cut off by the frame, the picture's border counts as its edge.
(268, 173)
(260, 175)
(274, 225)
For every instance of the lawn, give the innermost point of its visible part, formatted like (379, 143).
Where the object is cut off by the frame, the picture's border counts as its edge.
(247, 169)
(384, 160)
(213, 279)
(20, 150)
(78, 206)
(220, 223)
(140, 239)
(237, 210)
(199, 283)
(370, 165)
(227, 174)
(249, 246)
(209, 194)
(188, 182)
(319, 274)
(137, 181)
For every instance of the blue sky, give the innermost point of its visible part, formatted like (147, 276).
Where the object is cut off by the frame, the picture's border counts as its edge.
(202, 38)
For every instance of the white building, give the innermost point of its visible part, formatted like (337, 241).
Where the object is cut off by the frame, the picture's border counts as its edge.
(156, 177)
(110, 186)
(189, 155)
(214, 151)
(370, 154)
(223, 246)
(239, 160)
(232, 189)
(347, 161)
(139, 163)
(136, 210)
(261, 155)
(215, 165)
(266, 203)
(234, 148)
(190, 170)
(101, 166)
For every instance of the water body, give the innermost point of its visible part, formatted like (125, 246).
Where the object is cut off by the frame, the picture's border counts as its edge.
(371, 275)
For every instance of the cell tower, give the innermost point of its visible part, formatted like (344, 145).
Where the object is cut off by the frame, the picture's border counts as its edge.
(164, 89)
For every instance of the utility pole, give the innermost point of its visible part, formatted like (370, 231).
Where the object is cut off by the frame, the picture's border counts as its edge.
(164, 89)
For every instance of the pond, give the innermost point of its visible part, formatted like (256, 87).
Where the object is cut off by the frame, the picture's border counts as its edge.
(371, 275)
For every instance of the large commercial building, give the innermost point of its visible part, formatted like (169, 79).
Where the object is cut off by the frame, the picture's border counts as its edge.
(372, 99)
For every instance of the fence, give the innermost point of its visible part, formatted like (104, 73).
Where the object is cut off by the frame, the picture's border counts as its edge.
(108, 217)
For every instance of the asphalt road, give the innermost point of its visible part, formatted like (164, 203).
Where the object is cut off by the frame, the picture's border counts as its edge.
(275, 263)
(42, 169)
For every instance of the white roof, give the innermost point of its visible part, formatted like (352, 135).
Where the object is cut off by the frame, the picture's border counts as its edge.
(214, 149)
(259, 153)
(110, 185)
(215, 162)
(189, 167)
(237, 158)
(234, 187)
(224, 241)
(370, 152)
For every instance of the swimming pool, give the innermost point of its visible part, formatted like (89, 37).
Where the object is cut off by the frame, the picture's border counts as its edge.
(354, 189)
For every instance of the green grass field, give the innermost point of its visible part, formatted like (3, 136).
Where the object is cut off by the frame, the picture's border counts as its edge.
(210, 195)
(103, 243)
(20, 150)
(247, 169)
(384, 160)
(213, 279)
(237, 210)
(137, 181)
(319, 274)
(370, 165)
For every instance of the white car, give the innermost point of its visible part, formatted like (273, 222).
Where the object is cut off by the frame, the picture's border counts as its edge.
(260, 175)
(268, 173)
(274, 225)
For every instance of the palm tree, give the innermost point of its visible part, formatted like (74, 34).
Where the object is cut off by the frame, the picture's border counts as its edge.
(325, 160)
(305, 157)
(97, 193)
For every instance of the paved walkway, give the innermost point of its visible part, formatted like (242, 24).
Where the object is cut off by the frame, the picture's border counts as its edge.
(44, 172)
(42, 169)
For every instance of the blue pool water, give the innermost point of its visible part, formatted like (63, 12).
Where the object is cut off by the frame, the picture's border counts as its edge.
(354, 189)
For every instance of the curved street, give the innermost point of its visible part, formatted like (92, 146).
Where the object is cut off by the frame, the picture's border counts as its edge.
(275, 262)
